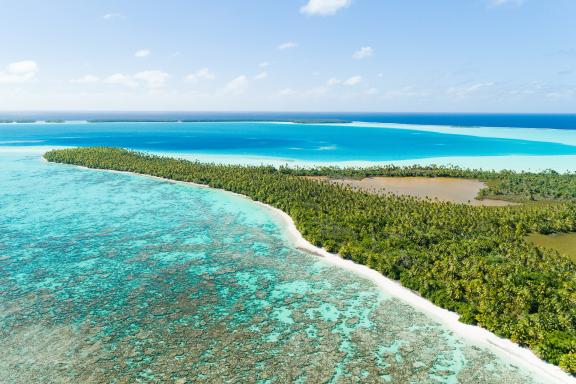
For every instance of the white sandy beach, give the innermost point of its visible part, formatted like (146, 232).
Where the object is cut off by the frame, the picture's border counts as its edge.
(475, 335)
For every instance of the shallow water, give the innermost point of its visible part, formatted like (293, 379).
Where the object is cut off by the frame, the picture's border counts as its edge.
(108, 277)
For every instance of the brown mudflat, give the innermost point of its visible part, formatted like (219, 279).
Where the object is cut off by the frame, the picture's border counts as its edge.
(440, 188)
(564, 243)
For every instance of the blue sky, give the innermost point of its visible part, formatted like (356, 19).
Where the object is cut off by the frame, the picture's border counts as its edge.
(289, 55)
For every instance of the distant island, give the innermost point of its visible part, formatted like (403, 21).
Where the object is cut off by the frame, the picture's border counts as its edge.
(484, 263)
(234, 119)
(170, 120)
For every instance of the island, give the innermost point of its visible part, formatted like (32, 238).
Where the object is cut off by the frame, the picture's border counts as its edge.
(478, 261)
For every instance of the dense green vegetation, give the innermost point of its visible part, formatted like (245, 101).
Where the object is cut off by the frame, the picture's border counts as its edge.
(471, 260)
(505, 185)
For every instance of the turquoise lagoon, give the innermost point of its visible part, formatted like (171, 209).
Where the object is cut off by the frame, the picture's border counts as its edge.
(108, 277)
(296, 142)
(359, 144)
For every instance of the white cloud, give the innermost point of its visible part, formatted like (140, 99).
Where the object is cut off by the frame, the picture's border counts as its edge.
(497, 3)
(152, 79)
(237, 85)
(407, 92)
(316, 91)
(463, 91)
(149, 79)
(261, 76)
(354, 80)
(372, 91)
(88, 79)
(351, 81)
(363, 53)
(333, 81)
(142, 53)
(19, 72)
(264, 64)
(201, 74)
(324, 7)
(287, 92)
(287, 45)
(22, 67)
(120, 79)
(113, 16)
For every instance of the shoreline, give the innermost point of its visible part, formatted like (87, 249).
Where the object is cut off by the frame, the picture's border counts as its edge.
(475, 335)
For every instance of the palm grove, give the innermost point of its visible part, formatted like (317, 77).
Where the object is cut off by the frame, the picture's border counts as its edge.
(471, 260)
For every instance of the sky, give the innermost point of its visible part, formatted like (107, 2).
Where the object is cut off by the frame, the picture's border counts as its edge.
(289, 55)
